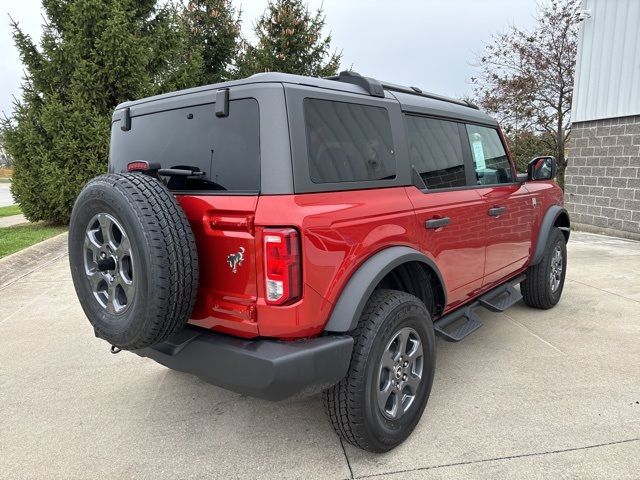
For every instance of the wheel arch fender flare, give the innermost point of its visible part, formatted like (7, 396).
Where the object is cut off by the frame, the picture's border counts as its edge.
(354, 296)
(555, 214)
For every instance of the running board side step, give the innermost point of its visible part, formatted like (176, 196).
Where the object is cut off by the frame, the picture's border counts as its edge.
(467, 321)
(501, 298)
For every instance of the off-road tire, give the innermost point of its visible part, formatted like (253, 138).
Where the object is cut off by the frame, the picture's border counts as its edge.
(536, 288)
(351, 404)
(164, 259)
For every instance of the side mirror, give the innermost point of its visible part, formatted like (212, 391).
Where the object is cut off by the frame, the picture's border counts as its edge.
(542, 168)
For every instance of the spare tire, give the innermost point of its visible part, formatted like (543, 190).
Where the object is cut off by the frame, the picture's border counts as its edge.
(133, 260)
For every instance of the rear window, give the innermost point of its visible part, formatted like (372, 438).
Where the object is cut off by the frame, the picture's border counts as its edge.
(226, 149)
(348, 142)
(435, 150)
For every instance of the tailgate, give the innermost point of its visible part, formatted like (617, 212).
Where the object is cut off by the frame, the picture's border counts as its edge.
(223, 226)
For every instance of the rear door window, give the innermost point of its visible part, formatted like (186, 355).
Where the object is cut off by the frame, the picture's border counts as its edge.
(435, 151)
(490, 159)
(348, 142)
(225, 149)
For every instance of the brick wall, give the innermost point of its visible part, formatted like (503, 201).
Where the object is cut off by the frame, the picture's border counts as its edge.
(445, 178)
(602, 182)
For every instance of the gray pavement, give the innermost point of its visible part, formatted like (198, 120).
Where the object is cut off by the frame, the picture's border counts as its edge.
(12, 220)
(6, 198)
(533, 394)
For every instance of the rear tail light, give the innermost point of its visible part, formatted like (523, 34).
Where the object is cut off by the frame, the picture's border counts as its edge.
(282, 265)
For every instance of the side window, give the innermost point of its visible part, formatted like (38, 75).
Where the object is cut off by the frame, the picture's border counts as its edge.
(489, 157)
(435, 150)
(348, 142)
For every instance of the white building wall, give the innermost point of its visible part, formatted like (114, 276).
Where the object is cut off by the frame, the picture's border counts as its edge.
(607, 82)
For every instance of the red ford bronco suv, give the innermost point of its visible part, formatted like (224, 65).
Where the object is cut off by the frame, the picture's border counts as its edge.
(283, 235)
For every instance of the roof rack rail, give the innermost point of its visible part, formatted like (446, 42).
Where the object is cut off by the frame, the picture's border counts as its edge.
(416, 91)
(372, 86)
(377, 88)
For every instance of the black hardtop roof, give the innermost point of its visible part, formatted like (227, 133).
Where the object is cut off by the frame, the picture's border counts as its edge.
(411, 99)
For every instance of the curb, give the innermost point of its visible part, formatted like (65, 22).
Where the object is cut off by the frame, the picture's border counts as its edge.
(20, 264)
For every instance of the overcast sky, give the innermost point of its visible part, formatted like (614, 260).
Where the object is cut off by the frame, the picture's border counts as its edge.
(425, 43)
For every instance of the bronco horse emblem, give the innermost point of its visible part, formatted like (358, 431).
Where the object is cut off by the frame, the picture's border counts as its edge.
(235, 260)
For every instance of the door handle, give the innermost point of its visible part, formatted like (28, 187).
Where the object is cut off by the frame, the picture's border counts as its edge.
(437, 223)
(497, 211)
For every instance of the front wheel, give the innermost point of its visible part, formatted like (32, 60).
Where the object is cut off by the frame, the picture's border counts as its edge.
(380, 401)
(544, 283)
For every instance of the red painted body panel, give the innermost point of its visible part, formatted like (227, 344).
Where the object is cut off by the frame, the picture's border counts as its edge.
(224, 225)
(546, 194)
(459, 248)
(507, 236)
(339, 231)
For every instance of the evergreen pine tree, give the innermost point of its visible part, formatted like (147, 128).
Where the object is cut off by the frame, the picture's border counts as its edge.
(93, 55)
(214, 28)
(290, 39)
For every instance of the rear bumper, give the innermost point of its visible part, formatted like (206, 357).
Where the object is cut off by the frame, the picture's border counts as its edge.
(268, 369)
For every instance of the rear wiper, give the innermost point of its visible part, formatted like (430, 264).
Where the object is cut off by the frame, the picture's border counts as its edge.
(180, 172)
(182, 178)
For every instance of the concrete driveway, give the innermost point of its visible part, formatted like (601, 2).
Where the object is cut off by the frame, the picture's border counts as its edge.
(533, 394)
(5, 195)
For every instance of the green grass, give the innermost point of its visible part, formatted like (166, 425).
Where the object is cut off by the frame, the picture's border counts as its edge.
(13, 239)
(5, 180)
(10, 210)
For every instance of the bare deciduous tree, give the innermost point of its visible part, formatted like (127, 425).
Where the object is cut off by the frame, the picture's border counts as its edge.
(526, 77)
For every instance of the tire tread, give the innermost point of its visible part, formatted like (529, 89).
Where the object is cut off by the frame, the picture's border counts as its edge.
(343, 403)
(535, 289)
(174, 256)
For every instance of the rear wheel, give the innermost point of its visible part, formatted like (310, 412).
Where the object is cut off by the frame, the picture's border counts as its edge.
(544, 283)
(380, 401)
